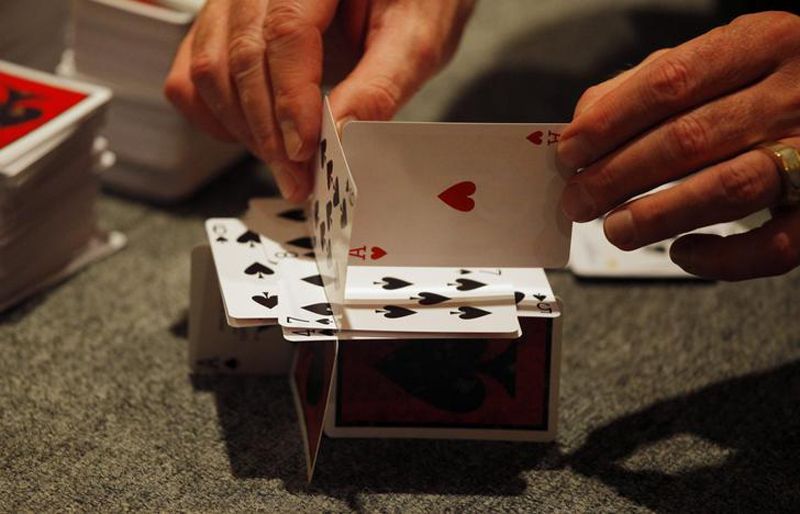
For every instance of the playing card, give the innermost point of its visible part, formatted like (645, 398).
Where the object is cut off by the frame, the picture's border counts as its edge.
(444, 194)
(303, 335)
(304, 303)
(463, 389)
(248, 282)
(332, 207)
(216, 347)
(35, 107)
(311, 380)
(453, 304)
(532, 292)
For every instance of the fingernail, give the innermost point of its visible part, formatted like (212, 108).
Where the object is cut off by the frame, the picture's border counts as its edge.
(577, 203)
(574, 153)
(286, 182)
(344, 121)
(291, 139)
(619, 228)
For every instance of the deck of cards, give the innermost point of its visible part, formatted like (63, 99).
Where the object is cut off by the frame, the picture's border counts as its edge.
(128, 47)
(409, 289)
(49, 159)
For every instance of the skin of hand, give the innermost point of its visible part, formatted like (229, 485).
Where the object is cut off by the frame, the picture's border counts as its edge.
(250, 70)
(694, 112)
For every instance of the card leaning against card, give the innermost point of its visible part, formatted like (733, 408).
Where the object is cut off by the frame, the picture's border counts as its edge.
(453, 194)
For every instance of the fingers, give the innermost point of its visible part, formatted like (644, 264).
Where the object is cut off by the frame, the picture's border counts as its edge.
(209, 70)
(772, 249)
(181, 92)
(725, 192)
(404, 47)
(595, 93)
(689, 75)
(293, 30)
(251, 79)
(678, 147)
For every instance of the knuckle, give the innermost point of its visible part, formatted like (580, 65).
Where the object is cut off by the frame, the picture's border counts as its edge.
(203, 68)
(688, 137)
(282, 21)
(669, 82)
(427, 53)
(742, 183)
(382, 97)
(783, 29)
(245, 53)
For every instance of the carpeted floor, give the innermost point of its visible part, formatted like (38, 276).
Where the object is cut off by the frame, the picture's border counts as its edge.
(675, 397)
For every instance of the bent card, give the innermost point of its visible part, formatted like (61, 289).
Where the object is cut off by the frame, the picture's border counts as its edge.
(310, 380)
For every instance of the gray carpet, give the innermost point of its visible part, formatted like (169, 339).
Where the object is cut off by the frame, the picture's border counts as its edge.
(675, 397)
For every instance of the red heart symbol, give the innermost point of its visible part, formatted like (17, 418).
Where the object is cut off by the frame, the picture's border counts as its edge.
(377, 253)
(458, 196)
(535, 137)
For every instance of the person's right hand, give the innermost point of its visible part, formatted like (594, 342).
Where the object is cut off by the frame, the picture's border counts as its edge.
(250, 70)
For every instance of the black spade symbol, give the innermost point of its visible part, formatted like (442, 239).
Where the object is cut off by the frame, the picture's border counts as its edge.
(329, 174)
(442, 373)
(336, 197)
(324, 321)
(315, 280)
(323, 309)
(426, 298)
(316, 212)
(395, 312)
(302, 242)
(13, 114)
(322, 231)
(258, 269)
(390, 283)
(539, 297)
(327, 332)
(222, 239)
(294, 215)
(329, 214)
(518, 296)
(466, 284)
(656, 248)
(266, 300)
(465, 271)
(231, 363)
(343, 218)
(468, 313)
(323, 147)
(249, 237)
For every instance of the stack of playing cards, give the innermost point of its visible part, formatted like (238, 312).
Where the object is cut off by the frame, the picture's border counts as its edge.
(411, 288)
(49, 151)
(32, 32)
(128, 47)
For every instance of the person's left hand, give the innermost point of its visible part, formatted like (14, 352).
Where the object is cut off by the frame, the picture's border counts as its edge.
(694, 111)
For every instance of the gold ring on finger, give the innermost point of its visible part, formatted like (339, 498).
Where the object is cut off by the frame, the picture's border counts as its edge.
(787, 159)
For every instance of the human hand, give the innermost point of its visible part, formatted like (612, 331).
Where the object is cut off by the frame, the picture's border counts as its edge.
(250, 70)
(694, 112)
